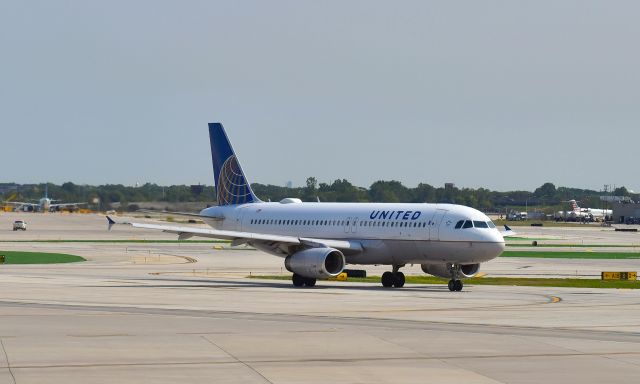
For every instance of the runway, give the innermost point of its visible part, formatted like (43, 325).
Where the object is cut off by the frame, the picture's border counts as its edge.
(167, 313)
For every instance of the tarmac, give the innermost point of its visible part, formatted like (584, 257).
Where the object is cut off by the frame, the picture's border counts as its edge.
(168, 312)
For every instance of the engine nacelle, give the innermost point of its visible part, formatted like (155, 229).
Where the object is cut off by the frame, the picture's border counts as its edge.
(316, 263)
(444, 270)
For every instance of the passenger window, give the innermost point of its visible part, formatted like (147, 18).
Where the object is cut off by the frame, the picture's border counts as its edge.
(459, 224)
(480, 224)
(467, 224)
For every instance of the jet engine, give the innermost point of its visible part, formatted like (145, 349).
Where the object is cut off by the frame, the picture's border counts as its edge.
(316, 263)
(445, 270)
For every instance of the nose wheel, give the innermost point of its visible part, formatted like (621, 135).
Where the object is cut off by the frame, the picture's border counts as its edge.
(455, 285)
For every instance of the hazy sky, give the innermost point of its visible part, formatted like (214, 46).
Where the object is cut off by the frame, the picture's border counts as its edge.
(501, 94)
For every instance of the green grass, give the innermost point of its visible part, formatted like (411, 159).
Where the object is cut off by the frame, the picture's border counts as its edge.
(118, 241)
(573, 245)
(17, 257)
(520, 238)
(572, 255)
(554, 224)
(528, 282)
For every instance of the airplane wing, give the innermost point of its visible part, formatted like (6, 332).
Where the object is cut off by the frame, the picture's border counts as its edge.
(19, 203)
(62, 205)
(269, 242)
(187, 214)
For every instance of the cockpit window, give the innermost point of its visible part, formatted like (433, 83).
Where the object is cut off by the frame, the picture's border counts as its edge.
(480, 224)
(459, 224)
(491, 225)
(467, 224)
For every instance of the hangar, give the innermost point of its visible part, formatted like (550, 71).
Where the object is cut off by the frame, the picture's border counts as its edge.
(626, 212)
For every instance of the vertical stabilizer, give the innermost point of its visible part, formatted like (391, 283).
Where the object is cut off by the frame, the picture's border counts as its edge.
(232, 187)
(574, 206)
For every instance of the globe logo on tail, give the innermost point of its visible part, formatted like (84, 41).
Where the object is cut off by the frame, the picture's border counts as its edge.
(232, 185)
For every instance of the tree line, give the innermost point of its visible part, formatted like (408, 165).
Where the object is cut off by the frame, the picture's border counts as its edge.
(547, 197)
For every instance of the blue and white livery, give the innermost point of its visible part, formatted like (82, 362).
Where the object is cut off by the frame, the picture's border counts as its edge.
(317, 240)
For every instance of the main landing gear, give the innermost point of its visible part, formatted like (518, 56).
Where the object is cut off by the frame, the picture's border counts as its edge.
(393, 279)
(299, 281)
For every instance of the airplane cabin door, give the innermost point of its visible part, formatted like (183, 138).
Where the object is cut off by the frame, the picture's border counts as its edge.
(350, 225)
(435, 222)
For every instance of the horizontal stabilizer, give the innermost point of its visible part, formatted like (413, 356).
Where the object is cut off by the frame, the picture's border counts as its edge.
(508, 232)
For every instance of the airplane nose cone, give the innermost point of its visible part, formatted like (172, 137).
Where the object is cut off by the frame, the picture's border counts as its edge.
(497, 244)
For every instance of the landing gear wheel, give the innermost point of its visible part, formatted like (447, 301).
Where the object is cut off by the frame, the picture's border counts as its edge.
(387, 279)
(298, 281)
(455, 285)
(310, 282)
(398, 280)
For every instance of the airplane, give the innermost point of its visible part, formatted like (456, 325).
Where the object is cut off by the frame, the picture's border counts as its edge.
(317, 240)
(577, 212)
(45, 204)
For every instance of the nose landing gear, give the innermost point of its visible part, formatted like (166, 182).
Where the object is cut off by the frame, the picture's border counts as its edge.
(393, 279)
(455, 284)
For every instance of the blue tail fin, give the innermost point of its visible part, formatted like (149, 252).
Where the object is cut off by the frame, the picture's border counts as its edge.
(232, 187)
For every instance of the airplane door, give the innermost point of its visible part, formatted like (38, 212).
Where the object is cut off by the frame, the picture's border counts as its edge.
(350, 225)
(239, 215)
(435, 222)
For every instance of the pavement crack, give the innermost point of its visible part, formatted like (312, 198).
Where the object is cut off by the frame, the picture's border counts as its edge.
(6, 356)
(236, 359)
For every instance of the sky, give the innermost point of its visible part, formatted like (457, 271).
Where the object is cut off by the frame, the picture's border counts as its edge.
(505, 95)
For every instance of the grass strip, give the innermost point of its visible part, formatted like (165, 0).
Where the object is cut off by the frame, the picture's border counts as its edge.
(571, 255)
(118, 241)
(572, 245)
(18, 257)
(510, 281)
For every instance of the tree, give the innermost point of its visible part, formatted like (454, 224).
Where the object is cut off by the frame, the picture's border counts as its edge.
(547, 190)
(621, 191)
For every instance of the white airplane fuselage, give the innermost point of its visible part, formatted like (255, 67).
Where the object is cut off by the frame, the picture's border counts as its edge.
(389, 233)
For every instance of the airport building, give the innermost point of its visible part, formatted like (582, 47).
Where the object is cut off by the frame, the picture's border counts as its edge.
(625, 212)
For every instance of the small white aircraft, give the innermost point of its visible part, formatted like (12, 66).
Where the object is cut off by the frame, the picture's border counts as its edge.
(317, 240)
(45, 204)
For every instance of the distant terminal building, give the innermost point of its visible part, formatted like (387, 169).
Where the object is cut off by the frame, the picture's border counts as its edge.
(626, 212)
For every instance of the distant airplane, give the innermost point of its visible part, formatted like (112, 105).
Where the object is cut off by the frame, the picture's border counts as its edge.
(45, 204)
(578, 213)
(317, 240)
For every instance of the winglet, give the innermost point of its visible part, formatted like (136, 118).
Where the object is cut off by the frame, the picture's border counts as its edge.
(506, 228)
(111, 222)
